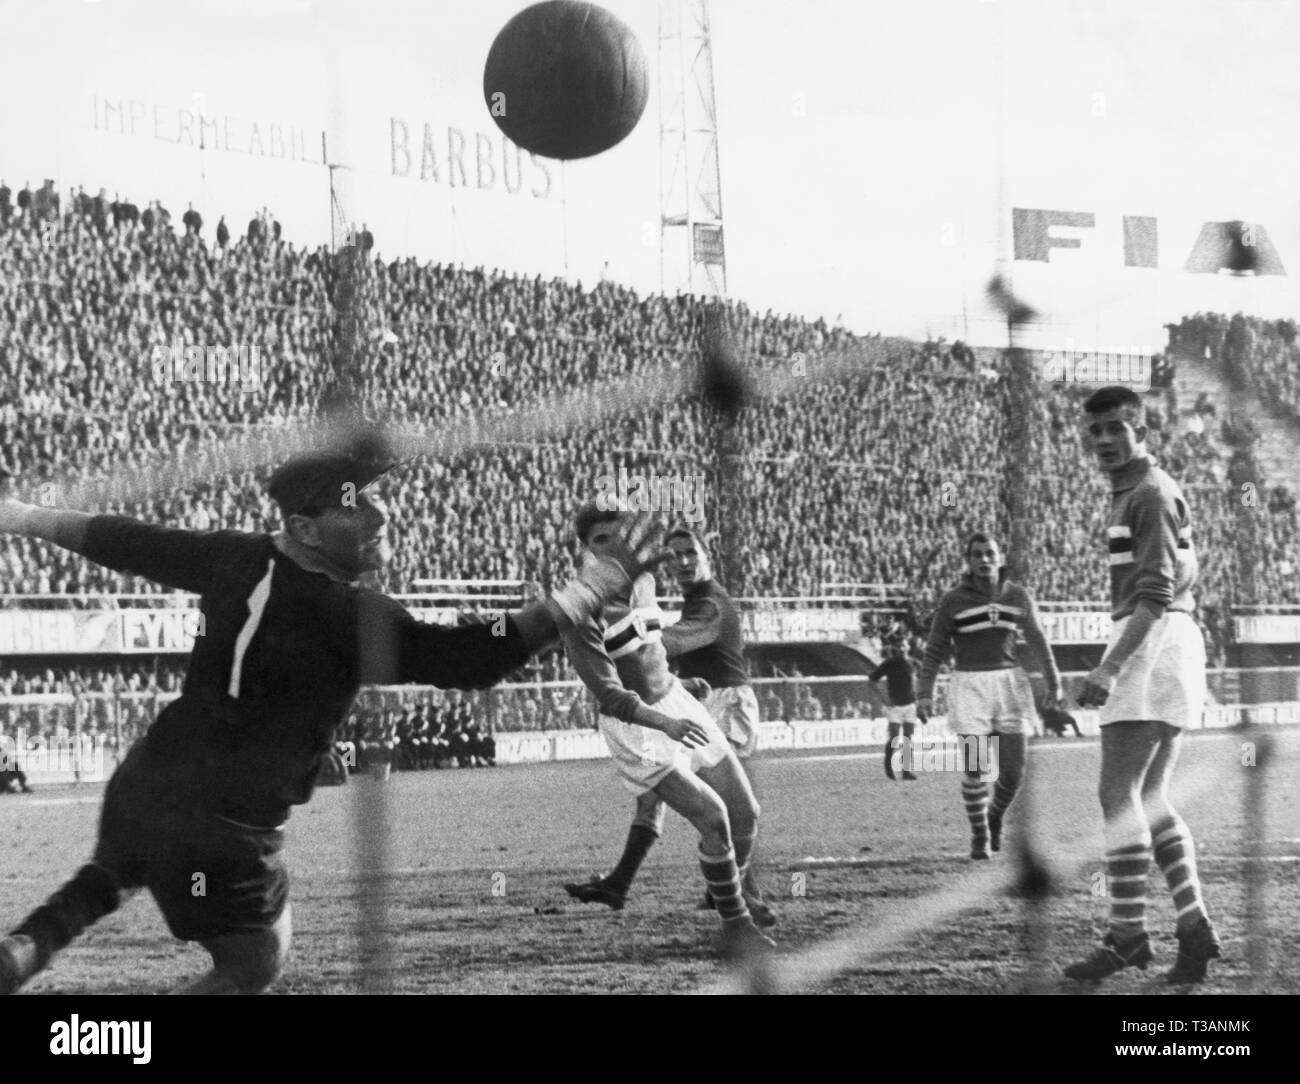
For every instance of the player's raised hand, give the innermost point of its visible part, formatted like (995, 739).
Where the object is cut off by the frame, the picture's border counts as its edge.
(639, 546)
(636, 548)
(690, 733)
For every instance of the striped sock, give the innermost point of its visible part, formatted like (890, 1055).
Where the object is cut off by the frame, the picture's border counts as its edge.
(1126, 876)
(1002, 796)
(1176, 856)
(975, 793)
(723, 879)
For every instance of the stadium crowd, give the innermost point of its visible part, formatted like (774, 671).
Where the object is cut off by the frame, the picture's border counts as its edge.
(873, 478)
(1258, 354)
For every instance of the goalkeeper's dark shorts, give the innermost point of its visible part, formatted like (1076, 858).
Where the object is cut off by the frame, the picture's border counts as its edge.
(210, 876)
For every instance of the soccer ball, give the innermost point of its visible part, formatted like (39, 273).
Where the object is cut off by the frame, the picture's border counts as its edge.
(565, 80)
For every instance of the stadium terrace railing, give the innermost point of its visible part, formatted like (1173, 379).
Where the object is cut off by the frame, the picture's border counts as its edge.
(81, 735)
(462, 592)
(104, 600)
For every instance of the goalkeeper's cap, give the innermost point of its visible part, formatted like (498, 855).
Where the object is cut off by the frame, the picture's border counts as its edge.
(313, 483)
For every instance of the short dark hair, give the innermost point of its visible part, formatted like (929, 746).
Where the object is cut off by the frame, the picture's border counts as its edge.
(978, 536)
(1115, 397)
(683, 531)
(591, 515)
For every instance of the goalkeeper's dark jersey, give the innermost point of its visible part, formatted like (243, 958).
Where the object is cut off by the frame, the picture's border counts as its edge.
(282, 654)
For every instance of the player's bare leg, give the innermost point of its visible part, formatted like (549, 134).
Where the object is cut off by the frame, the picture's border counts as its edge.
(700, 804)
(1174, 852)
(244, 963)
(909, 729)
(1128, 751)
(899, 741)
(94, 891)
(612, 889)
(1011, 751)
(729, 780)
(748, 880)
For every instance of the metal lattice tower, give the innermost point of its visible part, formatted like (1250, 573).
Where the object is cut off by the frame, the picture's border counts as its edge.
(691, 250)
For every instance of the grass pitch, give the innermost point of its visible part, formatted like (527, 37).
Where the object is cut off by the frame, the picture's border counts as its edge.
(476, 858)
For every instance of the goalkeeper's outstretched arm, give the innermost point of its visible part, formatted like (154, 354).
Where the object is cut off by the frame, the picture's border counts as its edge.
(63, 528)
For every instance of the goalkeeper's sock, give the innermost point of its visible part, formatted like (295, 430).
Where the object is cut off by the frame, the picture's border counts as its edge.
(93, 893)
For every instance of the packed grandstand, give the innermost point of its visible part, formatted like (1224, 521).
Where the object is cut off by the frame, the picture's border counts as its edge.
(871, 480)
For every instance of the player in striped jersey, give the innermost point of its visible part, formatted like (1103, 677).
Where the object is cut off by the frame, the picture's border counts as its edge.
(196, 811)
(707, 652)
(663, 741)
(989, 695)
(1149, 685)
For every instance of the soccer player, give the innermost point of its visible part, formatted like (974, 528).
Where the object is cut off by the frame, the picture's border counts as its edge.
(896, 669)
(664, 741)
(196, 811)
(708, 650)
(989, 695)
(11, 771)
(1149, 685)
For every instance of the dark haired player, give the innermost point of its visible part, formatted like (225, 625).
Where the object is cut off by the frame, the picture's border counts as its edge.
(896, 670)
(707, 650)
(1149, 685)
(11, 771)
(196, 811)
(989, 695)
(663, 741)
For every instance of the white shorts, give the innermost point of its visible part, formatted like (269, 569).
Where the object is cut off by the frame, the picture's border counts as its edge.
(900, 713)
(1164, 679)
(991, 702)
(735, 710)
(643, 756)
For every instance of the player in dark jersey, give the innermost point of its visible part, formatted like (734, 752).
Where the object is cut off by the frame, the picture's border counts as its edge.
(196, 811)
(707, 651)
(1150, 685)
(896, 669)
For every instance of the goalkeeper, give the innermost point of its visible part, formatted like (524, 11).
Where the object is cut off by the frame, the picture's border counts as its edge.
(196, 811)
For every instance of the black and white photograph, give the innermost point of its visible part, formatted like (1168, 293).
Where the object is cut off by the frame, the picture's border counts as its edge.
(651, 497)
